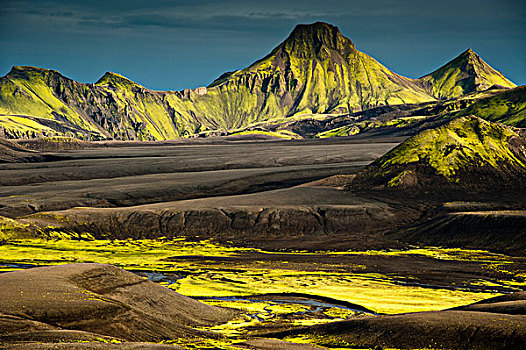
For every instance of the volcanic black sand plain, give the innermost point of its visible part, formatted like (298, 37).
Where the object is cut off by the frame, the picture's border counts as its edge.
(266, 235)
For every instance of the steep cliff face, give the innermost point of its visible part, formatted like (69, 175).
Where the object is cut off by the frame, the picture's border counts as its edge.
(316, 70)
(466, 73)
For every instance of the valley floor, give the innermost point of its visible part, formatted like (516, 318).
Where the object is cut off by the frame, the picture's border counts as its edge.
(279, 291)
(250, 226)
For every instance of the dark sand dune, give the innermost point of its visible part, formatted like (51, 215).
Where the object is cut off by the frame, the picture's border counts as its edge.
(500, 230)
(511, 304)
(469, 327)
(127, 176)
(95, 300)
(12, 152)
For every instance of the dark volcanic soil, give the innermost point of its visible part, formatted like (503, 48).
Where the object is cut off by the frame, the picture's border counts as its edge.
(89, 306)
(263, 194)
(152, 173)
(46, 304)
(485, 325)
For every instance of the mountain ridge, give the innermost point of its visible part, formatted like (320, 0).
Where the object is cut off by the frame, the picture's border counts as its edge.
(315, 70)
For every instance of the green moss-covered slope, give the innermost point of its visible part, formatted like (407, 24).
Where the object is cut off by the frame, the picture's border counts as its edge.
(508, 107)
(315, 71)
(467, 151)
(464, 74)
(39, 102)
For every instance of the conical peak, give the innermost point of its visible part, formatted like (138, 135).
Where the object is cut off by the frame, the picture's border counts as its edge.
(469, 53)
(114, 79)
(315, 35)
(470, 58)
(463, 62)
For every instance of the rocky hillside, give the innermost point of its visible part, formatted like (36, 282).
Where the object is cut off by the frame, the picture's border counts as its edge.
(467, 152)
(37, 101)
(315, 71)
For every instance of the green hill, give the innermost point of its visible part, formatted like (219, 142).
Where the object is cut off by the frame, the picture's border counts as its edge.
(39, 102)
(468, 152)
(316, 70)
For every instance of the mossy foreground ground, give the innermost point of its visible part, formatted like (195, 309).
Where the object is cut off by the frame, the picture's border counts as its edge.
(280, 290)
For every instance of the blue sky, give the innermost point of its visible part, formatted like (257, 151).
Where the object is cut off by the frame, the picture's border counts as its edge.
(171, 45)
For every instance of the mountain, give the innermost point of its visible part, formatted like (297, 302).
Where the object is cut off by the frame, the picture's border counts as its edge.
(464, 74)
(36, 101)
(316, 70)
(467, 152)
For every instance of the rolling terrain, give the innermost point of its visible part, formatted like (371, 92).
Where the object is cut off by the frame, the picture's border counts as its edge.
(206, 190)
(238, 223)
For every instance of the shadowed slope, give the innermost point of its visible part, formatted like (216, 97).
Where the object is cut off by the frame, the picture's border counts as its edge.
(449, 329)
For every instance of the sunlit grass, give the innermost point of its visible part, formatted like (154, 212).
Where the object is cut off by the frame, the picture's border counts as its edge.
(372, 291)
(201, 278)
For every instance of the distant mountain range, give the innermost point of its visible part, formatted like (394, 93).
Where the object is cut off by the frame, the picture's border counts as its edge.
(315, 73)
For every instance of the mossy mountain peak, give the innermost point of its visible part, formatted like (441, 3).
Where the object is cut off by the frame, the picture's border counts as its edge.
(466, 73)
(306, 38)
(115, 79)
